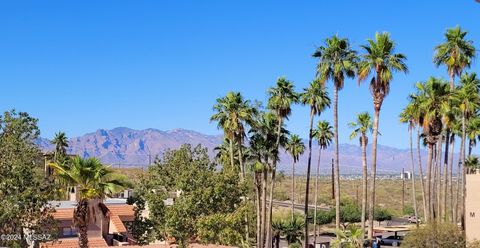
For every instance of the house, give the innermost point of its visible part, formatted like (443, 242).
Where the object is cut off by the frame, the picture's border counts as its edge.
(108, 227)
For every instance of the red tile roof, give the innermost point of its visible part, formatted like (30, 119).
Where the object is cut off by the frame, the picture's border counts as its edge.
(73, 243)
(117, 224)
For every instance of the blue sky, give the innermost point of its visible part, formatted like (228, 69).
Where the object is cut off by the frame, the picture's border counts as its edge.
(80, 66)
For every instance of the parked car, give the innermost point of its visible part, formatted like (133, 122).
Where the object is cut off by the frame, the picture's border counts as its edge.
(413, 220)
(392, 240)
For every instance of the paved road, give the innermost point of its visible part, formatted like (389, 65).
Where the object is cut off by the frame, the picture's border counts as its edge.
(297, 206)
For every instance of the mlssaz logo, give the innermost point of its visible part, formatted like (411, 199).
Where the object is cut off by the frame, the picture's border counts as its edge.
(472, 214)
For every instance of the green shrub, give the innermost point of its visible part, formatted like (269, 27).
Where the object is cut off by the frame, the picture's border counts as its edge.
(408, 210)
(435, 235)
(382, 214)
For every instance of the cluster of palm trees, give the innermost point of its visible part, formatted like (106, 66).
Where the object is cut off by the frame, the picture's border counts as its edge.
(441, 111)
(267, 134)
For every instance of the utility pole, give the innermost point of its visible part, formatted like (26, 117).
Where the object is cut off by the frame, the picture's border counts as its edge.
(333, 183)
(403, 189)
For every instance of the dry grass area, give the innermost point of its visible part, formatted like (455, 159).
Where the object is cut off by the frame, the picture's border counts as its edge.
(388, 192)
(133, 174)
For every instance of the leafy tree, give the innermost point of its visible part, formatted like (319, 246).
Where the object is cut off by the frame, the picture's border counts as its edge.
(141, 227)
(24, 191)
(204, 195)
(435, 235)
(337, 60)
(350, 213)
(381, 60)
(350, 237)
(94, 181)
(295, 148)
(361, 127)
(382, 214)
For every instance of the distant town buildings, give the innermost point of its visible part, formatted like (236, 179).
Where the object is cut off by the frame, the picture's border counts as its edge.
(406, 175)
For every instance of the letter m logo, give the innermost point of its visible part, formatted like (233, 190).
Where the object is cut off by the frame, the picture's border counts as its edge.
(472, 214)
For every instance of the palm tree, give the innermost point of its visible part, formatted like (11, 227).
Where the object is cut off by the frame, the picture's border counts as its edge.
(337, 60)
(473, 132)
(472, 163)
(282, 96)
(61, 143)
(317, 99)
(324, 136)
(408, 116)
(232, 114)
(432, 97)
(94, 181)
(295, 148)
(381, 59)
(467, 100)
(350, 238)
(456, 53)
(262, 148)
(361, 126)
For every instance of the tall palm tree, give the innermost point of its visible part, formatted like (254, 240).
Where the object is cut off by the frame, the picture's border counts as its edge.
(408, 116)
(295, 148)
(233, 113)
(282, 96)
(467, 100)
(94, 181)
(324, 135)
(456, 53)
(381, 59)
(61, 144)
(362, 126)
(472, 163)
(337, 60)
(317, 99)
(473, 132)
(432, 96)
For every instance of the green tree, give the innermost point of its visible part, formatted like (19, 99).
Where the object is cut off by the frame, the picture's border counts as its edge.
(94, 181)
(382, 214)
(435, 235)
(337, 60)
(361, 127)
(281, 98)
(324, 135)
(472, 163)
(141, 227)
(317, 99)
(61, 144)
(381, 60)
(295, 148)
(456, 53)
(24, 191)
(351, 237)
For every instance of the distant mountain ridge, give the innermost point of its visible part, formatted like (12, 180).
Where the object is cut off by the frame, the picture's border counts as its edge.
(124, 146)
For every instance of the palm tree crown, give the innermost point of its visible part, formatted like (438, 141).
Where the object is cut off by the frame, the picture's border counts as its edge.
(316, 97)
(61, 143)
(295, 147)
(362, 125)
(282, 96)
(381, 59)
(324, 134)
(337, 60)
(456, 53)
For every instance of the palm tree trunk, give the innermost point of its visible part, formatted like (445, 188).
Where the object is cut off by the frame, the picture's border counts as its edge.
(464, 189)
(414, 191)
(470, 146)
(258, 192)
(232, 159)
(438, 176)
(445, 176)
(422, 182)
(293, 189)
(272, 186)
(316, 197)
(80, 218)
(264, 205)
(450, 179)
(429, 178)
(371, 208)
(337, 162)
(309, 165)
(242, 179)
(364, 183)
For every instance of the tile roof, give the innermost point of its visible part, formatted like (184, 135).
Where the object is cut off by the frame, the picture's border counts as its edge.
(73, 243)
(117, 224)
(63, 214)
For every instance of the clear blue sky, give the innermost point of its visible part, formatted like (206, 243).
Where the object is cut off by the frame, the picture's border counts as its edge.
(80, 66)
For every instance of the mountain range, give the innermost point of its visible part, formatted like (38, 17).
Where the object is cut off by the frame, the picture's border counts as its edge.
(129, 147)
